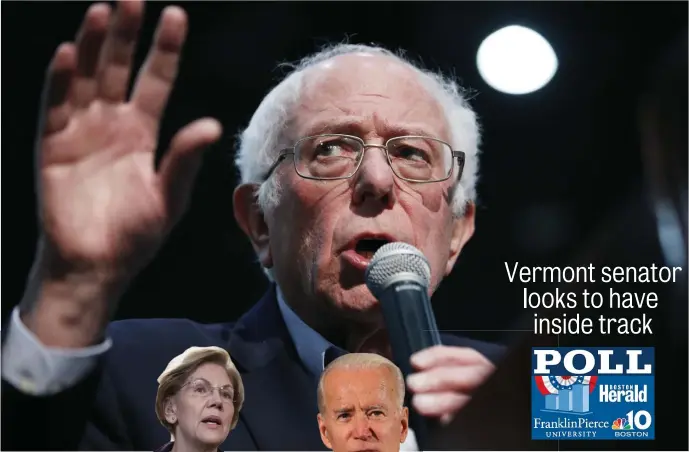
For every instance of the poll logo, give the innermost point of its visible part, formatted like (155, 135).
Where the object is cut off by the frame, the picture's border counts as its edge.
(592, 393)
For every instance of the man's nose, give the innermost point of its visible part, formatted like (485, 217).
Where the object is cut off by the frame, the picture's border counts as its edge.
(362, 429)
(375, 180)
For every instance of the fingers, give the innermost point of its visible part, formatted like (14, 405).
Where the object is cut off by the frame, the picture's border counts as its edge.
(56, 108)
(115, 62)
(445, 379)
(89, 43)
(448, 378)
(183, 160)
(439, 404)
(158, 74)
(446, 355)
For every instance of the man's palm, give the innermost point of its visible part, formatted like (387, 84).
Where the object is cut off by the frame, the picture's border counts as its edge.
(102, 201)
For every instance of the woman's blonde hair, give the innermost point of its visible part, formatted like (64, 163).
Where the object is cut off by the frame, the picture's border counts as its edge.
(181, 367)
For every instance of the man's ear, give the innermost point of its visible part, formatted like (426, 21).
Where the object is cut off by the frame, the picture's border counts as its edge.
(250, 218)
(462, 230)
(405, 424)
(324, 432)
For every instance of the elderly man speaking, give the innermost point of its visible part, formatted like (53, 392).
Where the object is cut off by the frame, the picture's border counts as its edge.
(356, 147)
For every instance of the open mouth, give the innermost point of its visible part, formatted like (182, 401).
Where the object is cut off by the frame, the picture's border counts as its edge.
(212, 421)
(360, 250)
(368, 246)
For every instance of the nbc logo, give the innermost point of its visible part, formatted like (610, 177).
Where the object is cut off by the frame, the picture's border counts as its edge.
(621, 424)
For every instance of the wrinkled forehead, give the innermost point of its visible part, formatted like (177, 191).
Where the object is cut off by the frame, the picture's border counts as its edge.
(375, 386)
(368, 88)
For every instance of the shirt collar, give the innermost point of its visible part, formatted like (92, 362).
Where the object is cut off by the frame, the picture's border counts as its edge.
(310, 345)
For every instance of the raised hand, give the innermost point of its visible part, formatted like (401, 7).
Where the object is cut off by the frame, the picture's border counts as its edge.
(104, 208)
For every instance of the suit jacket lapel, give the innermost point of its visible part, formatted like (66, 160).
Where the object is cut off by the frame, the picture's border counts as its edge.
(281, 407)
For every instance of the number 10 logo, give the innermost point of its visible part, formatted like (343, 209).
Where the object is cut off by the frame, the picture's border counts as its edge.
(640, 420)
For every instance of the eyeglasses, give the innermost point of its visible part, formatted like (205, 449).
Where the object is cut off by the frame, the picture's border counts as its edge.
(417, 159)
(202, 388)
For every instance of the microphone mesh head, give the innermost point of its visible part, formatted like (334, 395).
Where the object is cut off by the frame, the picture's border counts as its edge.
(392, 259)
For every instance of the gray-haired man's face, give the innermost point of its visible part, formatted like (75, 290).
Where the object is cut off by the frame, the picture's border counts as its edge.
(362, 411)
(311, 239)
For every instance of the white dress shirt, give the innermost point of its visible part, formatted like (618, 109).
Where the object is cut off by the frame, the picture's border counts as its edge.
(35, 369)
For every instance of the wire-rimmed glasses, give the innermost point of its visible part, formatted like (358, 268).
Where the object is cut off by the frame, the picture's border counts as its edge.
(204, 389)
(413, 158)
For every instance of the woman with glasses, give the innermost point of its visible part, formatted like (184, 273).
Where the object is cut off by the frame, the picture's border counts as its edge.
(199, 397)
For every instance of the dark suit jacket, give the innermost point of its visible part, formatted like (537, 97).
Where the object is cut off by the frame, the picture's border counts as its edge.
(113, 409)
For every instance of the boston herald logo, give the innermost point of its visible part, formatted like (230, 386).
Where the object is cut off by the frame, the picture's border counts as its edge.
(623, 393)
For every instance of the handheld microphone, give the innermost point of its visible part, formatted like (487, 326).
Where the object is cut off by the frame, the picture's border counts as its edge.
(399, 276)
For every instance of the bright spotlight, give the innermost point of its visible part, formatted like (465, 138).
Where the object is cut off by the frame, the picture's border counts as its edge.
(516, 60)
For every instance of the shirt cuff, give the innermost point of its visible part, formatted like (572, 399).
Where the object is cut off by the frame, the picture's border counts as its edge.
(37, 370)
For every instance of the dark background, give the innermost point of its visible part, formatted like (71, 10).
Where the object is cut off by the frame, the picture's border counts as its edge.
(555, 163)
(558, 166)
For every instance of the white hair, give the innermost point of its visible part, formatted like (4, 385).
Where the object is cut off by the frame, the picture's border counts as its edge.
(362, 361)
(259, 144)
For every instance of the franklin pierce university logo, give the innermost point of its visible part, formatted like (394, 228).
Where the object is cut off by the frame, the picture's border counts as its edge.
(592, 393)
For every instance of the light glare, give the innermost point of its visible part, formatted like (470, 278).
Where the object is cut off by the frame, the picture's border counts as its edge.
(516, 60)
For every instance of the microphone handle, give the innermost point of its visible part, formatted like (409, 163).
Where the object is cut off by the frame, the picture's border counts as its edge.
(411, 326)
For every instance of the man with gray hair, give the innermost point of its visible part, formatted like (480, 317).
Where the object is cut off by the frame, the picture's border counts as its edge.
(355, 148)
(361, 404)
